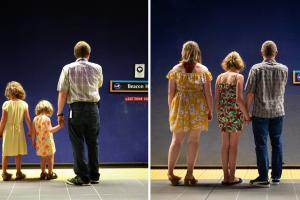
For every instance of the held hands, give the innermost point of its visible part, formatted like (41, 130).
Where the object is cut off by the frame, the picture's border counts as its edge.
(209, 116)
(61, 121)
(247, 118)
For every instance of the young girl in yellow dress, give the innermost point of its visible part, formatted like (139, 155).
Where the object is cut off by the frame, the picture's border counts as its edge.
(190, 108)
(14, 111)
(42, 138)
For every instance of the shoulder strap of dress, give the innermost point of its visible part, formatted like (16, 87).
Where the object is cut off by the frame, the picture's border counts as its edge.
(235, 78)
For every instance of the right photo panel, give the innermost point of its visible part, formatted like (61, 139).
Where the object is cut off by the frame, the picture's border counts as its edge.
(225, 80)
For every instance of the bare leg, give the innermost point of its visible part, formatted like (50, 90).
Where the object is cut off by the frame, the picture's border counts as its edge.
(4, 163)
(18, 163)
(174, 151)
(225, 155)
(192, 152)
(233, 150)
(43, 164)
(50, 160)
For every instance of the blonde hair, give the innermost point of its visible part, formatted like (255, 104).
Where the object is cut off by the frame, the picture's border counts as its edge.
(233, 60)
(269, 48)
(44, 106)
(190, 53)
(82, 49)
(14, 89)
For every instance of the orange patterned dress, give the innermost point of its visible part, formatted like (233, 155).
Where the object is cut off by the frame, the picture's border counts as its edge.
(44, 138)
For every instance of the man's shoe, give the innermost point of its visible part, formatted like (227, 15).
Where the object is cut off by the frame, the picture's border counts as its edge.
(260, 183)
(275, 181)
(95, 181)
(77, 181)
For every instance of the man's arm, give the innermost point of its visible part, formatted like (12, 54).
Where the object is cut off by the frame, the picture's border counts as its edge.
(250, 88)
(62, 96)
(62, 88)
(249, 100)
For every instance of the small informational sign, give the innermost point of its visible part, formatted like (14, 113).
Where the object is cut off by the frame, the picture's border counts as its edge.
(139, 71)
(136, 99)
(128, 86)
(296, 77)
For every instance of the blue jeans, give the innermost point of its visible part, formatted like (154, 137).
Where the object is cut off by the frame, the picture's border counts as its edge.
(262, 127)
(84, 128)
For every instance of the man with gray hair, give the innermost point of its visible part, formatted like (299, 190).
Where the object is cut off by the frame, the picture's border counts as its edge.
(265, 88)
(79, 84)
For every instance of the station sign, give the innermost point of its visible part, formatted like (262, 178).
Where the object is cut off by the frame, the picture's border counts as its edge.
(128, 86)
(296, 77)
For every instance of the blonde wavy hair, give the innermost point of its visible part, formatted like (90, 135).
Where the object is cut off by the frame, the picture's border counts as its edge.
(233, 61)
(14, 90)
(44, 106)
(190, 53)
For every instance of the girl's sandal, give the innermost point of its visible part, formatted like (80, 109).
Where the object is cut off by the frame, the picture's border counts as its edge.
(51, 176)
(20, 176)
(174, 179)
(6, 176)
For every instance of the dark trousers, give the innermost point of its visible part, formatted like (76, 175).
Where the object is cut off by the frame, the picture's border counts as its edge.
(262, 128)
(84, 128)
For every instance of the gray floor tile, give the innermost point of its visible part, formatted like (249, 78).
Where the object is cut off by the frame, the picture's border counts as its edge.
(210, 190)
(49, 190)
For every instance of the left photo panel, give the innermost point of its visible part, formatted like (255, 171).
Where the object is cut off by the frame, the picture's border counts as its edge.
(74, 100)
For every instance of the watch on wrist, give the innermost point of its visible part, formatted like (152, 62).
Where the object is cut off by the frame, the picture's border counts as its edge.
(60, 114)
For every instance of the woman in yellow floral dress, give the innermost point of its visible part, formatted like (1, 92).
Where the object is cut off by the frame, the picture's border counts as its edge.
(190, 108)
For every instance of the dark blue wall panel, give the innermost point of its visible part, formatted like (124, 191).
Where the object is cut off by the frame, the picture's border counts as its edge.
(37, 40)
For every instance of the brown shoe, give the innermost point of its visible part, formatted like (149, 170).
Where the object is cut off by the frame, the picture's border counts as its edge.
(190, 181)
(174, 179)
(20, 176)
(6, 176)
(51, 176)
(43, 176)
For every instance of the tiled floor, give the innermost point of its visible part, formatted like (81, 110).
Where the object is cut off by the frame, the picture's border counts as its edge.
(115, 184)
(209, 187)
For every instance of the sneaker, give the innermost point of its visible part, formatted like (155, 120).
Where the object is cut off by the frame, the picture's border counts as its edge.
(43, 176)
(51, 176)
(6, 176)
(20, 176)
(260, 183)
(275, 181)
(77, 181)
(95, 181)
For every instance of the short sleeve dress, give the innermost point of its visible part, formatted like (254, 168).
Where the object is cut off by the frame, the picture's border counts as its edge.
(189, 110)
(14, 140)
(45, 145)
(230, 117)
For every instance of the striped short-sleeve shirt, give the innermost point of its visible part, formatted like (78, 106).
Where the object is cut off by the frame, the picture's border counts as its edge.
(81, 80)
(267, 81)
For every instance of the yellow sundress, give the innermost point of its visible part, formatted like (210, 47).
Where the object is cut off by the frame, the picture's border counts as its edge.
(14, 140)
(188, 109)
(45, 145)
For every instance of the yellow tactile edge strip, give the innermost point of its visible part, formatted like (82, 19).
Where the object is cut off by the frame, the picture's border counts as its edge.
(106, 174)
(218, 174)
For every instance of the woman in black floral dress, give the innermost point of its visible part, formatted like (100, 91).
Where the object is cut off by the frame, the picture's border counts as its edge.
(232, 113)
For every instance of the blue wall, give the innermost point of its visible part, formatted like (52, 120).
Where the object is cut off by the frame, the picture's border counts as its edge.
(37, 40)
(220, 27)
